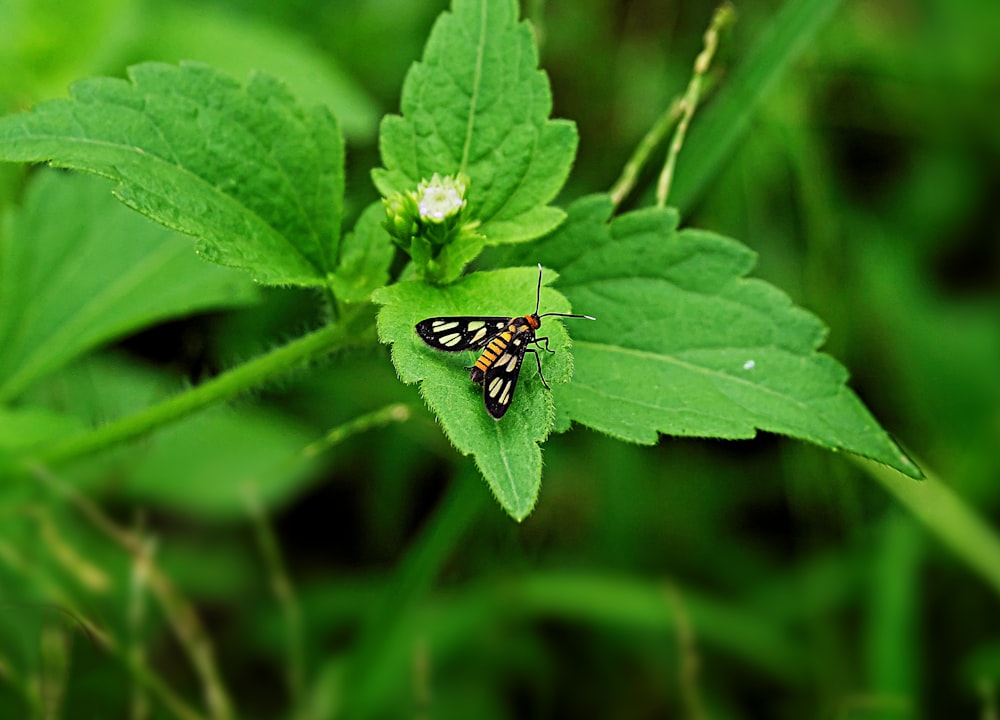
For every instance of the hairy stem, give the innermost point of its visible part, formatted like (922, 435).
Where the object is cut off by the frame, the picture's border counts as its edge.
(223, 387)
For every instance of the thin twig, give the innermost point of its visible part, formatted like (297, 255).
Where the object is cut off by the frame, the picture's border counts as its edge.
(422, 678)
(284, 593)
(689, 661)
(53, 675)
(136, 650)
(650, 141)
(397, 412)
(180, 613)
(988, 695)
(723, 16)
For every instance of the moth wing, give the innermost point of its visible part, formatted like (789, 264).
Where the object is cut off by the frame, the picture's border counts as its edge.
(501, 377)
(457, 334)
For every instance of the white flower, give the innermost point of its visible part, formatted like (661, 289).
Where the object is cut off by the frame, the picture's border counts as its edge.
(440, 198)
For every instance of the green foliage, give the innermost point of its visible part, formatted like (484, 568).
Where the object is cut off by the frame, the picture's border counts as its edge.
(78, 270)
(22, 428)
(45, 46)
(257, 179)
(688, 346)
(685, 345)
(728, 119)
(478, 104)
(144, 443)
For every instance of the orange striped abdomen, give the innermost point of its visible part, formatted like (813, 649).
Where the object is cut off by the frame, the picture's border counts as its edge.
(494, 349)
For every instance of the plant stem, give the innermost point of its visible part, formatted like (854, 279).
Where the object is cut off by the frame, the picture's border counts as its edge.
(397, 412)
(134, 648)
(630, 173)
(284, 593)
(219, 389)
(724, 15)
(687, 649)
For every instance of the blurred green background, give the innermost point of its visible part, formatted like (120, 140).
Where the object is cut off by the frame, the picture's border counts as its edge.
(696, 579)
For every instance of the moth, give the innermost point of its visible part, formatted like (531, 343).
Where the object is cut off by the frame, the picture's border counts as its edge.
(503, 341)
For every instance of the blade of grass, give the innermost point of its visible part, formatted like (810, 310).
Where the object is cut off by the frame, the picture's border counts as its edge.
(593, 598)
(723, 17)
(722, 124)
(188, 627)
(894, 610)
(947, 516)
(99, 636)
(387, 624)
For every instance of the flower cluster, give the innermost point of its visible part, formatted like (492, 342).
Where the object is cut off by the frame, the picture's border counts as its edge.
(425, 221)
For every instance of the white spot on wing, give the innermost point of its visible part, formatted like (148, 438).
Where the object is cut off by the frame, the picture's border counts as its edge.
(452, 339)
(442, 325)
(495, 387)
(505, 397)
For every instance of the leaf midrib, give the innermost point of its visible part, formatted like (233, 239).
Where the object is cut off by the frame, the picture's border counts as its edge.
(508, 474)
(476, 84)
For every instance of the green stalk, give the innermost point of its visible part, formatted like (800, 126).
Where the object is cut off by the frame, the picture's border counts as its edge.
(724, 15)
(223, 387)
(630, 173)
(396, 412)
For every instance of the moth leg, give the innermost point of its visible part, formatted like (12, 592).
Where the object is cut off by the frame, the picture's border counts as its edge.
(547, 348)
(539, 361)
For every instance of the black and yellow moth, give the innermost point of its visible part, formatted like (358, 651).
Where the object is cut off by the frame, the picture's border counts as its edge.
(503, 341)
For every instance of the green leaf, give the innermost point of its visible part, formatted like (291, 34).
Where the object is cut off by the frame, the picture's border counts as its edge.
(506, 451)
(257, 179)
(78, 270)
(686, 345)
(21, 428)
(365, 257)
(478, 104)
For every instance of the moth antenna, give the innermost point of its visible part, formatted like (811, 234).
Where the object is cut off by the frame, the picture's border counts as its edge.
(538, 292)
(585, 317)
